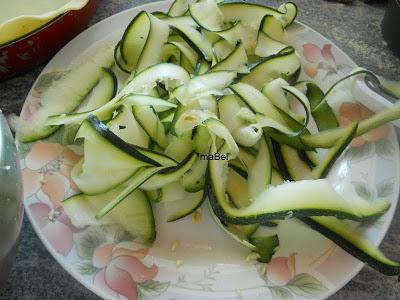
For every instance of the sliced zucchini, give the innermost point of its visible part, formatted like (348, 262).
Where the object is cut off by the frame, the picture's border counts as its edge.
(147, 155)
(259, 176)
(142, 42)
(104, 91)
(291, 140)
(239, 167)
(291, 199)
(252, 14)
(185, 20)
(273, 27)
(154, 195)
(105, 164)
(129, 187)
(190, 118)
(135, 214)
(334, 153)
(170, 174)
(276, 177)
(276, 93)
(229, 106)
(231, 232)
(207, 14)
(178, 8)
(169, 74)
(64, 95)
(201, 140)
(324, 116)
(247, 159)
(103, 130)
(212, 37)
(328, 138)
(134, 39)
(237, 189)
(280, 162)
(265, 246)
(171, 54)
(212, 83)
(191, 55)
(267, 46)
(241, 32)
(217, 129)
(221, 49)
(354, 243)
(289, 13)
(202, 67)
(179, 147)
(194, 179)
(232, 34)
(257, 102)
(295, 166)
(149, 121)
(248, 135)
(125, 126)
(157, 156)
(285, 65)
(182, 203)
(236, 61)
(152, 50)
(105, 112)
(194, 38)
(121, 64)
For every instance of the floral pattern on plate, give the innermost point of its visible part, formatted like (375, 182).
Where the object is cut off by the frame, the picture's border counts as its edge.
(106, 260)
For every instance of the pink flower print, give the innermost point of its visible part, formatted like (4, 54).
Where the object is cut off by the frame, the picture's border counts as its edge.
(55, 226)
(280, 270)
(352, 112)
(318, 58)
(121, 268)
(48, 167)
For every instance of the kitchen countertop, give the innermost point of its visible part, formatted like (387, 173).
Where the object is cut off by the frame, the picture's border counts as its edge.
(354, 28)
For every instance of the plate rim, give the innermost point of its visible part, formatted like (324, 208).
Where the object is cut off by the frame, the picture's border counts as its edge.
(79, 278)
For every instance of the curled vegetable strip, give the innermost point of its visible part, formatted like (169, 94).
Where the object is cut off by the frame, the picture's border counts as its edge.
(248, 135)
(204, 85)
(355, 72)
(259, 120)
(195, 117)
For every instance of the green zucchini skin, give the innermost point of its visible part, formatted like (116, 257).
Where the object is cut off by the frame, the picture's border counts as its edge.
(306, 158)
(183, 214)
(82, 209)
(323, 114)
(103, 130)
(262, 69)
(276, 148)
(293, 141)
(280, 215)
(295, 166)
(335, 152)
(126, 34)
(345, 244)
(265, 246)
(118, 58)
(75, 84)
(114, 81)
(328, 138)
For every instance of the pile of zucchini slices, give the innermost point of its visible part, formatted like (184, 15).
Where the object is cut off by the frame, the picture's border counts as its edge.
(204, 114)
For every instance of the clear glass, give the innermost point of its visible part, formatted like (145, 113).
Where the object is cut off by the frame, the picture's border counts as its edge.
(11, 209)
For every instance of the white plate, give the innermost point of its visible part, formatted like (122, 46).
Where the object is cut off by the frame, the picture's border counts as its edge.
(206, 264)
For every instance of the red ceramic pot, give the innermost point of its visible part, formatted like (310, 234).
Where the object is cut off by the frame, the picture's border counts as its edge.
(25, 53)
